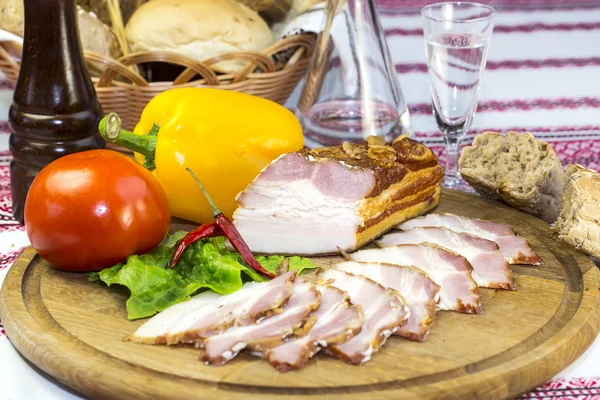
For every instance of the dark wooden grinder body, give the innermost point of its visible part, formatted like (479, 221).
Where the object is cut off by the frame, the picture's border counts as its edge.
(55, 111)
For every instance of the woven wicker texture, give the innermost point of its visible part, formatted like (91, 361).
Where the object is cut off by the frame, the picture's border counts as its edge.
(261, 76)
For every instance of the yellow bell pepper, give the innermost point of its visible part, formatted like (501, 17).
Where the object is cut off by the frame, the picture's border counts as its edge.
(225, 137)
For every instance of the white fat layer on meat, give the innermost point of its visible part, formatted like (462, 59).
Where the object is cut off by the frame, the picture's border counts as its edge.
(455, 223)
(228, 344)
(427, 258)
(382, 309)
(320, 224)
(238, 347)
(367, 354)
(515, 249)
(384, 336)
(335, 316)
(230, 354)
(185, 317)
(394, 256)
(410, 289)
(175, 316)
(388, 332)
(417, 288)
(437, 273)
(489, 266)
(181, 317)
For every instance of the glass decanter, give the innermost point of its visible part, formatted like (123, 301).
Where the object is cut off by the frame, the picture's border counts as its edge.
(351, 90)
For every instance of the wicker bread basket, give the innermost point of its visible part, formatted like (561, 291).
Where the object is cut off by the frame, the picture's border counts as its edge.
(261, 76)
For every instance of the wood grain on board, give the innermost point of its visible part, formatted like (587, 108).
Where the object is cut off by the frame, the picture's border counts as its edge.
(74, 330)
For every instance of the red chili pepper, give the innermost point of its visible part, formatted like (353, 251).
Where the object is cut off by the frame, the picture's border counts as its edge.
(201, 232)
(232, 233)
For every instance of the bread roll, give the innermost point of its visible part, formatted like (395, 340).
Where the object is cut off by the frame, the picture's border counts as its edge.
(579, 221)
(199, 29)
(516, 169)
(100, 8)
(95, 36)
(12, 16)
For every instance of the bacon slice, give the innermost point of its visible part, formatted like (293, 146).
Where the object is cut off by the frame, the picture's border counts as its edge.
(268, 332)
(385, 311)
(515, 249)
(458, 291)
(490, 269)
(209, 313)
(337, 321)
(415, 286)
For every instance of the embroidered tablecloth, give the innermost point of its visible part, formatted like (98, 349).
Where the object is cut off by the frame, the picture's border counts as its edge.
(542, 75)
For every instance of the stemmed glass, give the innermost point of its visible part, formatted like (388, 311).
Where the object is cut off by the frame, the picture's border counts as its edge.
(456, 36)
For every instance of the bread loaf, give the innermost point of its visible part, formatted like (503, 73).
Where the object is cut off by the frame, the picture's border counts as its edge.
(516, 169)
(579, 221)
(199, 29)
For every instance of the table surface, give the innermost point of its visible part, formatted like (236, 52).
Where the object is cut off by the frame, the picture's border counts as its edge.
(542, 76)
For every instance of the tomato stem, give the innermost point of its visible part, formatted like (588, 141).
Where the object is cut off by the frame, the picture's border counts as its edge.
(111, 130)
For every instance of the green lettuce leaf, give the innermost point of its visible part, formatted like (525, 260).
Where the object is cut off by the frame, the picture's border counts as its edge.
(207, 264)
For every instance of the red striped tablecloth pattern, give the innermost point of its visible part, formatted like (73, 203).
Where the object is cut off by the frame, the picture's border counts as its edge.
(542, 76)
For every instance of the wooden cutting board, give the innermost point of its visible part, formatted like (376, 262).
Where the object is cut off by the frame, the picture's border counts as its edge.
(73, 330)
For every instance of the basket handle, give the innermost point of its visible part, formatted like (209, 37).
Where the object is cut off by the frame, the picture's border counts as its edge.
(254, 60)
(259, 60)
(156, 56)
(115, 67)
(305, 42)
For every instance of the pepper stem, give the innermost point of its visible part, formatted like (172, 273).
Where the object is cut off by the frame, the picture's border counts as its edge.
(110, 128)
(213, 206)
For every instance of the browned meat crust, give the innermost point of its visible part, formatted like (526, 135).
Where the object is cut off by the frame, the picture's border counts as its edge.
(391, 163)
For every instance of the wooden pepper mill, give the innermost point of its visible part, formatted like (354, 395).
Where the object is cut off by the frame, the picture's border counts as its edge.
(55, 111)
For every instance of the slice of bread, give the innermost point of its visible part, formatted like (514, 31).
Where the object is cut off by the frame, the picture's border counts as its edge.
(579, 221)
(516, 169)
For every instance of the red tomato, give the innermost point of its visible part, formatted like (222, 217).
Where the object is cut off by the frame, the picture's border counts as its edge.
(88, 211)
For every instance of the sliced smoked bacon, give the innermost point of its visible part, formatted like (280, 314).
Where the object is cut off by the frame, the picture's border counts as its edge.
(490, 269)
(316, 201)
(418, 290)
(337, 320)
(452, 272)
(385, 311)
(209, 313)
(515, 249)
(267, 332)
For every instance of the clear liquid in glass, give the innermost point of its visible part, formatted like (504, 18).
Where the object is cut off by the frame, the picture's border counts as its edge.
(349, 119)
(456, 62)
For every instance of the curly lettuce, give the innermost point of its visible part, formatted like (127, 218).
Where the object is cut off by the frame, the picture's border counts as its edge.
(206, 265)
